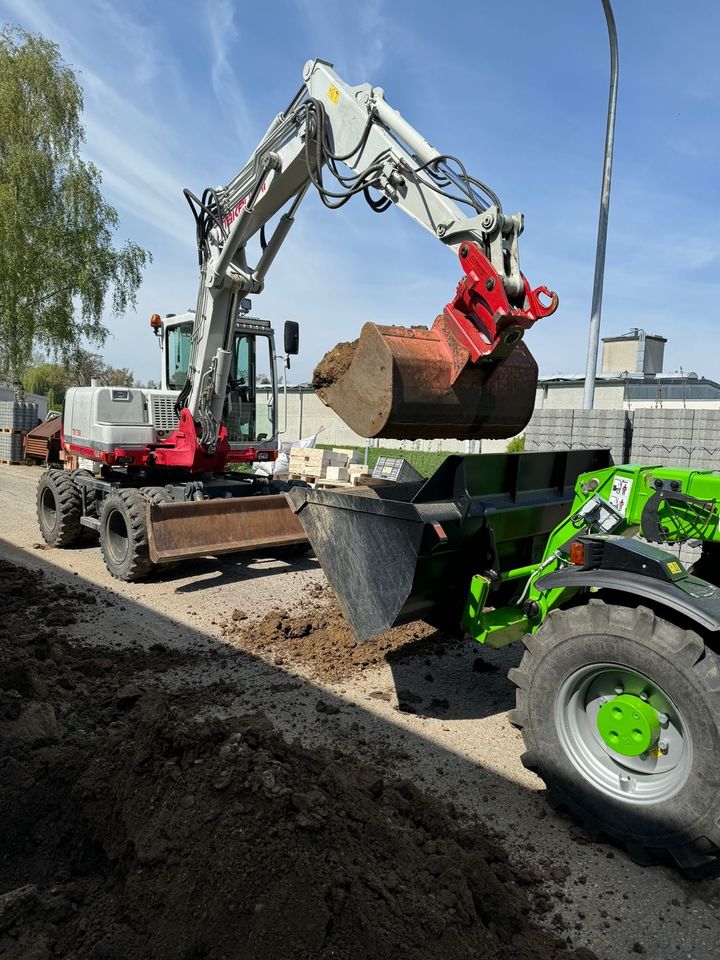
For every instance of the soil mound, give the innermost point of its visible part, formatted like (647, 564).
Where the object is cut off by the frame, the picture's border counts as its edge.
(135, 823)
(318, 638)
(333, 365)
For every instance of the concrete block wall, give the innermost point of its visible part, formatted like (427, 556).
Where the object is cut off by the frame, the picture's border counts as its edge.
(663, 436)
(550, 430)
(603, 428)
(579, 430)
(706, 438)
(672, 437)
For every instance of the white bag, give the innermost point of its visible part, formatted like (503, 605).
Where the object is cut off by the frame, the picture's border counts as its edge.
(280, 468)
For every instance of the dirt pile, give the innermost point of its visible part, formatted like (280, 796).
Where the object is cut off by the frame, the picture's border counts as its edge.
(318, 638)
(333, 365)
(135, 823)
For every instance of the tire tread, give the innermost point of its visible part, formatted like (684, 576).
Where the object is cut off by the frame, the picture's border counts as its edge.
(68, 508)
(133, 504)
(683, 646)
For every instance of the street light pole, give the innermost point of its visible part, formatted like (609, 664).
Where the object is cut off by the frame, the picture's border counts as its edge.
(594, 336)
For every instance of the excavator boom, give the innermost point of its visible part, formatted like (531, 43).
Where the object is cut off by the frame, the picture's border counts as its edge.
(468, 375)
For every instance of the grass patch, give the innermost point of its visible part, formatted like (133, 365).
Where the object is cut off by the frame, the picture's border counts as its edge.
(425, 462)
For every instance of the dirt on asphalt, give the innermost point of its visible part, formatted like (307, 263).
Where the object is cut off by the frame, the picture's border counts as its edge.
(317, 637)
(136, 821)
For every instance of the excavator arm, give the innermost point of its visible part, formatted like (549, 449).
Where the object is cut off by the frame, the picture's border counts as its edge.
(464, 377)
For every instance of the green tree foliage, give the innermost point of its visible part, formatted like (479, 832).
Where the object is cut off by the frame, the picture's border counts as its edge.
(82, 366)
(58, 264)
(51, 380)
(47, 380)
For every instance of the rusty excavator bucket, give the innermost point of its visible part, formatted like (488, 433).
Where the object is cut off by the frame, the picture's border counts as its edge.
(411, 383)
(468, 377)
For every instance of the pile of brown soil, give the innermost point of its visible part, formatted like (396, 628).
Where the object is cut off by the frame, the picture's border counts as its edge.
(333, 365)
(136, 824)
(318, 639)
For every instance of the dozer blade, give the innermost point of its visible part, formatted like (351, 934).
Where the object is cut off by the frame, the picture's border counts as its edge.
(419, 384)
(198, 528)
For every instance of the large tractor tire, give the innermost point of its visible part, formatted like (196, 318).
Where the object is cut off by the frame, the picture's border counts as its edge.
(620, 713)
(123, 535)
(59, 508)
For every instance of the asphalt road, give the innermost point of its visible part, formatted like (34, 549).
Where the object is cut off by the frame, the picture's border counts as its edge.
(467, 752)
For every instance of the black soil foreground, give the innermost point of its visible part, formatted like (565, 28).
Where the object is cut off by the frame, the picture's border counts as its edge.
(133, 824)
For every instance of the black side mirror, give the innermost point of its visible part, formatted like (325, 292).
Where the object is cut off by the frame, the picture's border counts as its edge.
(292, 338)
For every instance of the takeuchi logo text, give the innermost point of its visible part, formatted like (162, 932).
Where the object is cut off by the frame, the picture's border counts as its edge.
(229, 218)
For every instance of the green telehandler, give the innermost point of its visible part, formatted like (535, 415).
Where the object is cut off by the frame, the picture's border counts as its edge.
(618, 691)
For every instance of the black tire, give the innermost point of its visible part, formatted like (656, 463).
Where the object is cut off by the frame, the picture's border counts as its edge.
(123, 535)
(58, 509)
(684, 825)
(156, 494)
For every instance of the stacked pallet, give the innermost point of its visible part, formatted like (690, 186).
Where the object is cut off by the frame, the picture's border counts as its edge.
(329, 467)
(16, 418)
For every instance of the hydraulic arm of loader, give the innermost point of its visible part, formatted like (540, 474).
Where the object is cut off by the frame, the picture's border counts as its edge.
(469, 376)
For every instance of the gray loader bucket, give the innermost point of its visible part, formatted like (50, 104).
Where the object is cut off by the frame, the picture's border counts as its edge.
(407, 552)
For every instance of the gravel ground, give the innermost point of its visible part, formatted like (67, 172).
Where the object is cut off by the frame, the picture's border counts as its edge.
(456, 743)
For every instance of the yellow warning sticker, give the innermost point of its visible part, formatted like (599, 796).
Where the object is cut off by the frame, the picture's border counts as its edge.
(333, 93)
(674, 567)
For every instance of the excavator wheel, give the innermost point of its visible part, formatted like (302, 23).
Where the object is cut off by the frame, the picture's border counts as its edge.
(59, 508)
(123, 535)
(156, 494)
(620, 713)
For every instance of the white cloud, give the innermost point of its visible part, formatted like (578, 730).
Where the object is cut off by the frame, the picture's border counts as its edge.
(225, 38)
(359, 48)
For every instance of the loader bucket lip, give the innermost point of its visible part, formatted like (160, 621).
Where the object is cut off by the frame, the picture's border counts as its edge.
(206, 528)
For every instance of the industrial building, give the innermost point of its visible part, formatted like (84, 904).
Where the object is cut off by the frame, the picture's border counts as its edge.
(631, 378)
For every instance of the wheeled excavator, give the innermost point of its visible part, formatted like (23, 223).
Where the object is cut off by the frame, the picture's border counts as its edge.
(154, 483)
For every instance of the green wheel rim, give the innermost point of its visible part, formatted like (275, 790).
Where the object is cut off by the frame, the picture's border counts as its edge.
(584, 721)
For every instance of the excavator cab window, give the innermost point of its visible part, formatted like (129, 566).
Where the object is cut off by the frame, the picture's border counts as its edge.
(249, 413)
(249, 409)
(178, 355)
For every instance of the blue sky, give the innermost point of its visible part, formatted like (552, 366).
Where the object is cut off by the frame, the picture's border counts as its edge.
(178, 93)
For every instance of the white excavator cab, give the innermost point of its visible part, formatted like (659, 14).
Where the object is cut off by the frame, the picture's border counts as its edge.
(250, 413)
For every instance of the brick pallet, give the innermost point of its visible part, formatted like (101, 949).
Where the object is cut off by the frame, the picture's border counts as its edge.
(326, 467)
(11, 447)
